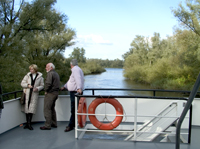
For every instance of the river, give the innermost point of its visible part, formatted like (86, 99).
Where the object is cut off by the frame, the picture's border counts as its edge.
(113, 78)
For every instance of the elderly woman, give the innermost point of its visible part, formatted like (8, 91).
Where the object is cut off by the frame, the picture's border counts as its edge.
(32, 83)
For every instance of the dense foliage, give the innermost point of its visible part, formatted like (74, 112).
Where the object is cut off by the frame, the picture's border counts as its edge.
(31, 33)
(171, 63)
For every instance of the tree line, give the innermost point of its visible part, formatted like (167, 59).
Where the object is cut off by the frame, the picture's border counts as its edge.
(93, 66)
(171, 63)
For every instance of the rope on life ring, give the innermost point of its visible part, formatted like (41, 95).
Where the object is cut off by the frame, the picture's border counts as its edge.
(105, 126)
(82, 108)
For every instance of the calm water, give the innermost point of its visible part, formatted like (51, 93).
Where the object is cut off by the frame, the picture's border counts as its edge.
(113, 78)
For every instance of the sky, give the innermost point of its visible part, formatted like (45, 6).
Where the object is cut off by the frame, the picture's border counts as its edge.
(106, 28)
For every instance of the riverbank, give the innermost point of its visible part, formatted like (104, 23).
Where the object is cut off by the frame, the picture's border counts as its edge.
(91, 68)
(114, 78)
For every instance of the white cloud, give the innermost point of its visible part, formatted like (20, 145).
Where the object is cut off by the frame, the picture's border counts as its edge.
(97, 46)
(92, 39)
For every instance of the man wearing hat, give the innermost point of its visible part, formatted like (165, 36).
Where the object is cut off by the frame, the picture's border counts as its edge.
(74, 85)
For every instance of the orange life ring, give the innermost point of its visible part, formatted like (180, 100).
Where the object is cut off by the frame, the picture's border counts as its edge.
(105, 126)
(82, 108)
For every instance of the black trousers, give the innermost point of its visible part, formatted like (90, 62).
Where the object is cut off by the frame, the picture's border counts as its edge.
(72, 118)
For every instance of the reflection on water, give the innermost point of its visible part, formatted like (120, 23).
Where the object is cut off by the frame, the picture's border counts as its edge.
(113, 78)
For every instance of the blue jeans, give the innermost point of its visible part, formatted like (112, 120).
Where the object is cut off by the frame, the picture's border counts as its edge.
(72, 118)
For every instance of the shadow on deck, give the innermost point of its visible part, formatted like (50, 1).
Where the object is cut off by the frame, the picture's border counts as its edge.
(56, 138)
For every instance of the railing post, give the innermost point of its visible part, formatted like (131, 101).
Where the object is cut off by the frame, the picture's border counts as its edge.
(93, 92)
(190, 125)
(15, 95)
(185, 110)
(135, 121)
(76, 121)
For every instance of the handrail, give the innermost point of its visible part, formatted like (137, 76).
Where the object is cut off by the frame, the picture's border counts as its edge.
(15, 93)
(185, 110)
(122, 89)
(134, 96)
(153, 90)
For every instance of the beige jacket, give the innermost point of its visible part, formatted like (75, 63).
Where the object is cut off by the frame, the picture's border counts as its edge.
(39, 84)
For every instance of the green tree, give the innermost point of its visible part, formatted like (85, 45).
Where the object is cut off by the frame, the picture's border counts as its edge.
(189, 17)
(31, 33)
(78, 54)
(155, 51)
(125, 55)
(174, 60)
(139, 48)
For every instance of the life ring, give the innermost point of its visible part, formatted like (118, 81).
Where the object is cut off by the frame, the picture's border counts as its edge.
(82, 108)
(105, 126)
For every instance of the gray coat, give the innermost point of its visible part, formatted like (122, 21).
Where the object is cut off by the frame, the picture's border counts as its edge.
(39, 84)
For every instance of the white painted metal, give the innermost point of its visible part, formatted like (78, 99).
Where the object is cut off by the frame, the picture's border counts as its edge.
(158, 124)
(135, 119)
(13, 117)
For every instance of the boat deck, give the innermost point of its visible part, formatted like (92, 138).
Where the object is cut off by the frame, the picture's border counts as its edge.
(56, 138)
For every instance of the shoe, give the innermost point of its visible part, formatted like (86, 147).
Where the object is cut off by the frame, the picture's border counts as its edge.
(54, 126)
(26, 126)
(45, 128)
(68, 126)
(68, 129)
(30, 127)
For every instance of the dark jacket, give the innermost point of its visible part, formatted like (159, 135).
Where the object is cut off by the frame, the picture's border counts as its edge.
(1, 99)
(52, 82)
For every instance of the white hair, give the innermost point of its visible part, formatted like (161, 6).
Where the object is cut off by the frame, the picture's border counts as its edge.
(52, 65)
(74, 62)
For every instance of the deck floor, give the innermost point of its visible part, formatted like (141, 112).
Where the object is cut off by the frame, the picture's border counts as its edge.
(56, 138)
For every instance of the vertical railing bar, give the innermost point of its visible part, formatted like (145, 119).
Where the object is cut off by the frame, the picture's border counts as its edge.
(76, 126)
(190, 125)
(93, 92)
(185, 110)
(135, 120)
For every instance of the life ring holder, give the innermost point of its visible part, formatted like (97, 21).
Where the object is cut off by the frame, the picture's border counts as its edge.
(82, 108)
(105, 126)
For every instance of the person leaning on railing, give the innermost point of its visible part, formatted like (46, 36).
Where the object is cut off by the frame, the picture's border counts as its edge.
(1, 100)
(74, 85)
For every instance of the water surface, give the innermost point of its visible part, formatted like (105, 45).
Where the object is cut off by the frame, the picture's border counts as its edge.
(113, 78)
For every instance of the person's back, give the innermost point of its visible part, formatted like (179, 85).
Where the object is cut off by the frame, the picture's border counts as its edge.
(76, 80)
(74, 85)
(52, 83)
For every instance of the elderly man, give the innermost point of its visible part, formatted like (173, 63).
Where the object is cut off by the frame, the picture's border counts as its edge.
(74, 85)
(52, 86)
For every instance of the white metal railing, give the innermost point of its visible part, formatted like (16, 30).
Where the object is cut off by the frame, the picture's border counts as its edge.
(13, 117)
(135, 115)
